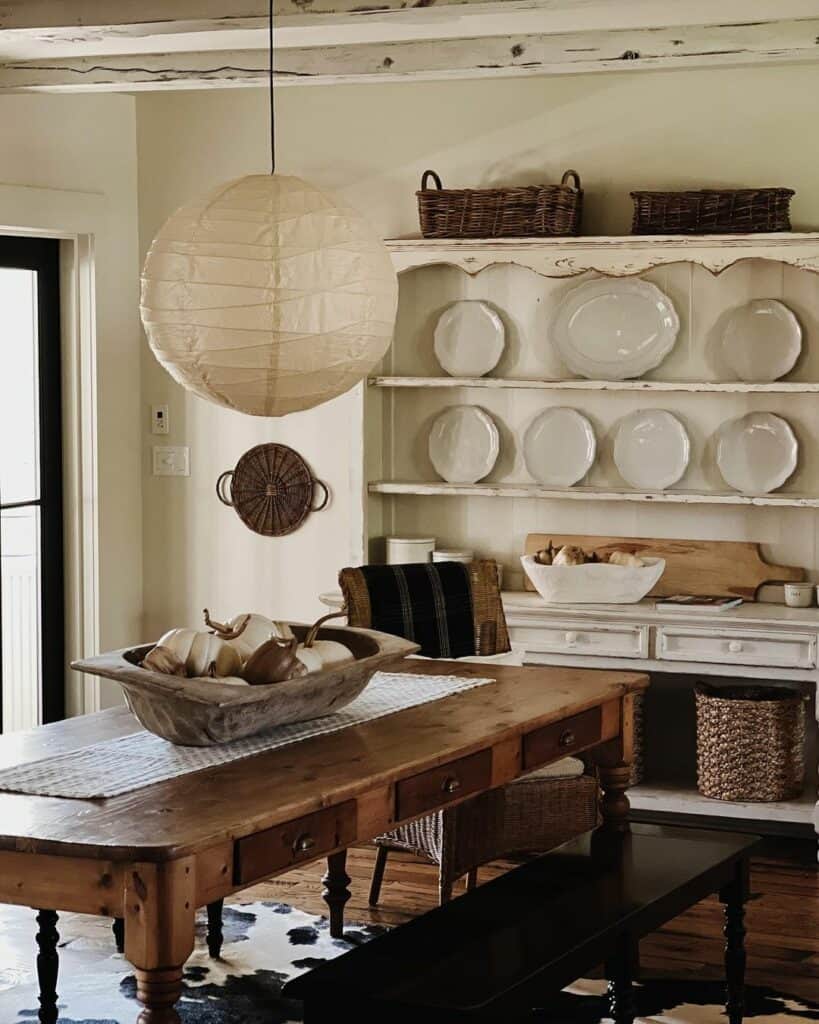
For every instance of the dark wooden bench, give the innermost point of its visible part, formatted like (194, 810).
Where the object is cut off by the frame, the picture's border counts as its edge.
(505, 948)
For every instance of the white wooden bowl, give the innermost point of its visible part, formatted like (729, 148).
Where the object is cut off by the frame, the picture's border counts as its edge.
(593, 583)
(202, 713)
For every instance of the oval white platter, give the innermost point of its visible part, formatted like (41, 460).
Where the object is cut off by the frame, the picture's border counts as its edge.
(469, 339)
(614, 329)
(559, 447)
(762, 341)
(463, 444)
(756, 453)
(651, 449)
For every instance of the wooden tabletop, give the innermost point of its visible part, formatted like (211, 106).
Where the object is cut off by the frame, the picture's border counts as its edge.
(189, 813)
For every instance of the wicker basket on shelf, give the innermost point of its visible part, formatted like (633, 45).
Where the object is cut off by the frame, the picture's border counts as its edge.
(533, 210)
(750, 742)
(712, 211)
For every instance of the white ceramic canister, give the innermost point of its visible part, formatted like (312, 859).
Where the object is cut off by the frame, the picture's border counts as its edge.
(799, 595)
(405, 550)
(453, 555)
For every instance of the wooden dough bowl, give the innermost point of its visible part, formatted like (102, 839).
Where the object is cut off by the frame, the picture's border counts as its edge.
(202, 713)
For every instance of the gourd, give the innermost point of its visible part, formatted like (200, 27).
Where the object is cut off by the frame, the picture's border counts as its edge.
(163, 659)
(626, 559)
(274, 662)
(247, 632)
(569, 555)
(316, 655)
(203, 654)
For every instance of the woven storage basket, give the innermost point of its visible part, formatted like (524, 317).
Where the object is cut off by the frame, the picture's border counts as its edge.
(539, 210)
(750, 743)
(712, 211)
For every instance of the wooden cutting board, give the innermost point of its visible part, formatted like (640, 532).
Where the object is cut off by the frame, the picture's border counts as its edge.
(723, 567)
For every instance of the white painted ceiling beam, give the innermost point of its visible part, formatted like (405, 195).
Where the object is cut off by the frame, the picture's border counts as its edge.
(699, 46)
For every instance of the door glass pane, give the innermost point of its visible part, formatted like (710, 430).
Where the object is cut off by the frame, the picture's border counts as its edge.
(21, 631)
(19, 426)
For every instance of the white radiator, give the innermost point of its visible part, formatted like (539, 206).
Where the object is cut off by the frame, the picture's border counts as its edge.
(21, 687)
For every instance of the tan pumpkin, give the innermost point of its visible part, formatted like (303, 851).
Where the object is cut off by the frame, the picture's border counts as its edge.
(273, 662)
(203, 654)
(163, 659)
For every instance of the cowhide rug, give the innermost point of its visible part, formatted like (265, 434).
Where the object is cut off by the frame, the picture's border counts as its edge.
(268, 943)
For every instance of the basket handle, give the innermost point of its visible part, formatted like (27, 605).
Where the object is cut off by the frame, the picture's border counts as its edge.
(571, 174)
(324, 501)
(220, 488)
(426, 176)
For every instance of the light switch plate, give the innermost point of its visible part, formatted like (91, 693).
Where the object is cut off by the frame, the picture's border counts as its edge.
(159, 419)
(171, 460)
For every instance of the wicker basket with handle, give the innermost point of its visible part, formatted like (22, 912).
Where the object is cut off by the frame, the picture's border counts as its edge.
(750, 742)
(533, 210)
(712, 211)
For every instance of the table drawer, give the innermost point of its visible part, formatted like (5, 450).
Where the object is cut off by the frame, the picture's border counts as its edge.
(736, 647)
(551, 742)
(283, 846)
(440, 786)
(611, 640)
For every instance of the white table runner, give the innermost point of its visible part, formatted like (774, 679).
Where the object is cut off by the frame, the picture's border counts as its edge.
(130, 762)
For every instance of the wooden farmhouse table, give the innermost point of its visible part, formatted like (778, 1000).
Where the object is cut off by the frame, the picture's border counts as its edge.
(153, 856)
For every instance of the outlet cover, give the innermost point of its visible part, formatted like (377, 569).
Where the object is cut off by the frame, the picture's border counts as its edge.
(159, 419)
(171, 460)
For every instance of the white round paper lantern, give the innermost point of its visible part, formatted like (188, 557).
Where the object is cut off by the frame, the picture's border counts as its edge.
(268, 296)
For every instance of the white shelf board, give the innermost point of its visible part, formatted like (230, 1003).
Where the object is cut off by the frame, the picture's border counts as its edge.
(676, 799)
(504, 490)
(522, 384)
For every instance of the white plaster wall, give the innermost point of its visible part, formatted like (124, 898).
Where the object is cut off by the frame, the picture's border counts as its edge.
(371, 143)
(86, 145)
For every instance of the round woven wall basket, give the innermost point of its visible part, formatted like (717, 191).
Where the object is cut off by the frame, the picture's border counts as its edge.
(750, 742)
(272, 490)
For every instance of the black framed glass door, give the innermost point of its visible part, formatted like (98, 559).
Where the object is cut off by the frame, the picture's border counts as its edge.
(32, 644)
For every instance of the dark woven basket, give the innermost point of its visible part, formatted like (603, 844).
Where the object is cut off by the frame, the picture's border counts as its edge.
(271, 489)
(535, 210)
(750, 742)
(712, 211)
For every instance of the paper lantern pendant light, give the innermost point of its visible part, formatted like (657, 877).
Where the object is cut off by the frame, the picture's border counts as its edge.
(268, 295)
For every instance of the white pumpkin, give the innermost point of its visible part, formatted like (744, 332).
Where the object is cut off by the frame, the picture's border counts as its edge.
(251, 631)
(204, 654)
(323, 654)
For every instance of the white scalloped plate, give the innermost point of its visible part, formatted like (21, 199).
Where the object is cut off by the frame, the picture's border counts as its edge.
(756, 453)
(463, 444)
(559, 447)
(762, 340)
(469, 339)
(651, 449)
(611, 329)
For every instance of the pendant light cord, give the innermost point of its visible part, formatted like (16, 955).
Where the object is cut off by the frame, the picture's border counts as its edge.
(270, 82)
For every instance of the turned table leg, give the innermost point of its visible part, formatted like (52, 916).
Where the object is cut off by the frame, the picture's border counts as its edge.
(614, 805)
(48, 962)
(336, 892)
(733, 897)
(215, 936)
(160, 905)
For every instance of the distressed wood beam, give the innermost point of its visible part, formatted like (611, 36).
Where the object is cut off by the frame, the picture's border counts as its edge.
(701, 46)
(138, 17)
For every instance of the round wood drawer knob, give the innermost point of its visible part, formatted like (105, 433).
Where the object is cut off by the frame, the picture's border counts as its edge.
(451, 785)
(304, 843)
(567, 738)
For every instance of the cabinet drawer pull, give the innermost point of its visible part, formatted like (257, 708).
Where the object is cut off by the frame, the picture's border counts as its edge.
(451, 785)
(735, 646)
(567, 738)
(571, 638)
(303, 843)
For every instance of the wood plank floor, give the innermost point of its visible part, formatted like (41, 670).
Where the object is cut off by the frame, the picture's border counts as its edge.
(782, 917)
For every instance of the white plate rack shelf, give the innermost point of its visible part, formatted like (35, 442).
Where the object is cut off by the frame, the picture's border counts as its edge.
(706, 278)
